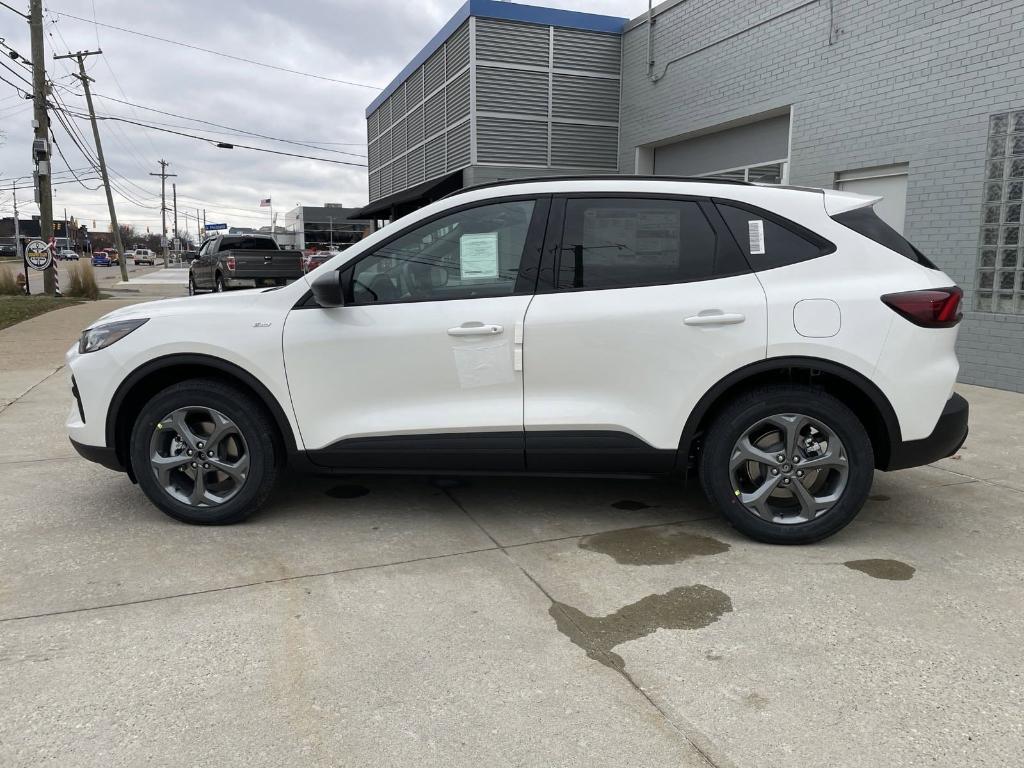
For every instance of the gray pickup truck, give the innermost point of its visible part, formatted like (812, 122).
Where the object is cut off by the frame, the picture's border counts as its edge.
(242, 261)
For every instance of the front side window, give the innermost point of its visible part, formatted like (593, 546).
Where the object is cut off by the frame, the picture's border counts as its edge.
(622, 243)
(470, 254)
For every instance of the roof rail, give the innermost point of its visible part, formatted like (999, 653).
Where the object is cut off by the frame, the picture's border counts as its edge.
(598, 177)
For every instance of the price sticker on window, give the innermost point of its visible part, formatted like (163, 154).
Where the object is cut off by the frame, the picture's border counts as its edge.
(755, 230)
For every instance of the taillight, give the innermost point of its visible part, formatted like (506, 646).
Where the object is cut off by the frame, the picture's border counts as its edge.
(935, 308)
(231, 263)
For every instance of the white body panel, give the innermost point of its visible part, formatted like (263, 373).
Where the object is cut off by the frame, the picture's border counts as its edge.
(396, 369)
(625, 359)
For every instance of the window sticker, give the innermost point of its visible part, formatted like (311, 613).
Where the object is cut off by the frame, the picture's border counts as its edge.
(755, 229)
(478, 256)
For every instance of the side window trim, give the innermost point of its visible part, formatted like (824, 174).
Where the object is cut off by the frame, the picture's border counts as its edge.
(525, 284)
(726, 248)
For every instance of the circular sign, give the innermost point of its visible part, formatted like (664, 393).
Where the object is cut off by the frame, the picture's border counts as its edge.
(38, 255)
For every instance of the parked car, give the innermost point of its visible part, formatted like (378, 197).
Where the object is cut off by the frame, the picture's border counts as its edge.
(67, 255)
(242, 261)
(143, 256)
(780, 343)
(7, 250)
(313, 260)
(101, 259)
(113, 255)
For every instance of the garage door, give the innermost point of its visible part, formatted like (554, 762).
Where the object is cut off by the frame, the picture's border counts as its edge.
(754, 144)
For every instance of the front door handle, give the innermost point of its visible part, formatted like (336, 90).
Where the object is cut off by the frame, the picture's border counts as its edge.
(715, 318)
(476, 329)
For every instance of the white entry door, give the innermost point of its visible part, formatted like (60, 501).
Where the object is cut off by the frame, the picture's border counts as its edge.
(889, 182)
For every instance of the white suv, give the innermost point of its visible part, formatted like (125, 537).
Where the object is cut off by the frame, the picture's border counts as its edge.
(783, 342)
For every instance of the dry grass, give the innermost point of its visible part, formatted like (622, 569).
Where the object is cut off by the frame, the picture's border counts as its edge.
(83, 282)
(8, 283)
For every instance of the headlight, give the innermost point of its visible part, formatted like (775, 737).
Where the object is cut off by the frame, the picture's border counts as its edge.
(104, 335)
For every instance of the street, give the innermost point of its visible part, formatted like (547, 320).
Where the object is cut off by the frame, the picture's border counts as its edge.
(410, 621)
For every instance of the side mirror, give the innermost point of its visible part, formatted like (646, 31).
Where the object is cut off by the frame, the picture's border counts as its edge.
(327, 289)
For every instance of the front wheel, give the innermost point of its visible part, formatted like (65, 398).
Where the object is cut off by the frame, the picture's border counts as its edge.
(191, 285)
(203, 452)
(787, 464)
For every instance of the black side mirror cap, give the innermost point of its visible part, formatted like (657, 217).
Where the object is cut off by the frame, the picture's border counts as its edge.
(327, 290)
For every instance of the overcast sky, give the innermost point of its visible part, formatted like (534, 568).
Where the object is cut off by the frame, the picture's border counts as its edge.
(361, 42)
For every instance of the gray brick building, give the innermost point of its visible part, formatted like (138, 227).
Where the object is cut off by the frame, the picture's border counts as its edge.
(921, 101)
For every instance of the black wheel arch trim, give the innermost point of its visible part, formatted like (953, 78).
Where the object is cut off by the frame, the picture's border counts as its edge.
(772, 364)
(208, 361)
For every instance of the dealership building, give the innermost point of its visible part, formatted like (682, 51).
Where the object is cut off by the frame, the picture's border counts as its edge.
(917, 101)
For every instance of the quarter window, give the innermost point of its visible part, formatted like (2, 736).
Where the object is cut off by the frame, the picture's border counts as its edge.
(620, 243)
(768, 244)
(471, 254)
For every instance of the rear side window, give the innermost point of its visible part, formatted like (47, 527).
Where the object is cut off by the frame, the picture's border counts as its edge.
(621, 243)
(864, 221)
(768, 241)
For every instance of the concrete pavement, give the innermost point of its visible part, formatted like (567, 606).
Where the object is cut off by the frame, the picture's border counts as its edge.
(378, 621)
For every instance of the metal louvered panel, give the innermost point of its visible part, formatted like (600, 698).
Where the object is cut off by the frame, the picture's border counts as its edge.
(374, 186)
(591, 51)
(457, 98)
(384, 149)
(385, 181)
(511, 90)
(398, 103)
(510, 42)
(414, 88)
(434, 158)
(398, 143)
(458, 50)
(458, 147)
(414, 126)
(384, 115)
(585, 98)
(515, 142)
(433, 114)
(433, 72)
(371, 126)
(398, 168)
(414, 174)
(371, 156)
(584, 146)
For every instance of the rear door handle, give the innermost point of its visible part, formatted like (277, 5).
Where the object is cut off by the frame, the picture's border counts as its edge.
(715, 318)
(475, 329)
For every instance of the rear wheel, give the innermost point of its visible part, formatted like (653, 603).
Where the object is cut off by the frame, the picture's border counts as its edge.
(203, 452)
(191, 285)
(787, 464)
(218, 284)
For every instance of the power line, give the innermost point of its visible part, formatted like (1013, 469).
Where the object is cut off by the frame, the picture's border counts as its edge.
(15, 10)
(309, 145)
(231, 145)
(217, 53)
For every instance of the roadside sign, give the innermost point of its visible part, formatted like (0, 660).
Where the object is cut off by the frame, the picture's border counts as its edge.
(211, 227)
(38, 255)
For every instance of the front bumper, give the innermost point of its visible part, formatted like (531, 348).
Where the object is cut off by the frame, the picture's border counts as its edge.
(949, 434)
(99, 454)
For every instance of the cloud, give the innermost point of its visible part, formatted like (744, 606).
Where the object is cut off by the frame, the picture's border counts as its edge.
(365, 42)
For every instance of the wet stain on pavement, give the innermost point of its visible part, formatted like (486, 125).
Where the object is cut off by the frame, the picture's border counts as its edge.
(893, 570)
(681, 608)
(631, 506)
(652, 546)
(347, 491)
(878, 497)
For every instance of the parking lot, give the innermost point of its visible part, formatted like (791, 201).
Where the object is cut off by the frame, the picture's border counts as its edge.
(468, 622)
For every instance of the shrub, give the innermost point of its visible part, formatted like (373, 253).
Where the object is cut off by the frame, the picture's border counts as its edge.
(83, 282)
(8, 284)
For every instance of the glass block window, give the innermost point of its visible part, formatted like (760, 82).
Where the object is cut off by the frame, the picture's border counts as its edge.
(1000, 285)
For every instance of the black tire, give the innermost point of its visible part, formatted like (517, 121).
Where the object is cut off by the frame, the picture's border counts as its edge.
(255, 426)
(730, 424)
(218, 284)
(192, 285)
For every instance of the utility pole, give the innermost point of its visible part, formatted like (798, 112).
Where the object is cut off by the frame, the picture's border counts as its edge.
(174, 191)
(164, 175)
(41, 144)
(80, 58)
(17, 238)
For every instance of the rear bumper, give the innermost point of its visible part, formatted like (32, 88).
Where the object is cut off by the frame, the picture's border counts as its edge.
(945, 440)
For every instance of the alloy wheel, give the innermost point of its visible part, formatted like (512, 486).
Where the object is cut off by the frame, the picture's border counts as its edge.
(789, 469)
(199, 456)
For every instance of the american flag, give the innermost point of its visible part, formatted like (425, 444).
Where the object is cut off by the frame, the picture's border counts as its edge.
(265, 203)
